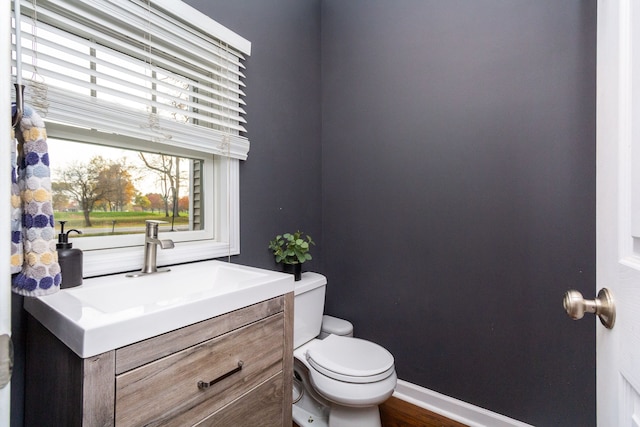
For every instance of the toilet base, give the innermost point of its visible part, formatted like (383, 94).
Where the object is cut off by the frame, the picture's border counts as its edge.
(305, 418)
(339, 416)
(343, 416)
(312, 410)
(309, 409)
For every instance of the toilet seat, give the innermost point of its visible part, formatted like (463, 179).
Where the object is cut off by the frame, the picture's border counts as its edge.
(351, 360)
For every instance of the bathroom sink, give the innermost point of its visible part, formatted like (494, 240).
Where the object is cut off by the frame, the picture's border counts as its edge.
(109, 312)
(159, 290)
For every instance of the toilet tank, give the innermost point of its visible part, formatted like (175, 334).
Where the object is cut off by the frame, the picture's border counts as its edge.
(308, 307)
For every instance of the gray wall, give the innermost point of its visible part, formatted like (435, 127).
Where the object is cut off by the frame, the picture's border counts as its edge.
(458, 169)
(280, 183)
(442, 154)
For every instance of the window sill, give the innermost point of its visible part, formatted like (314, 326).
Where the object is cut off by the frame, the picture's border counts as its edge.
(119, 260)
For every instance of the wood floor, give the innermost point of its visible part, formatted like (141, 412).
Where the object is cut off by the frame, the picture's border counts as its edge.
(398, 413)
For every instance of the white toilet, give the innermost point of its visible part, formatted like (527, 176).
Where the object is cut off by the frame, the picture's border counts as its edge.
(339, 381)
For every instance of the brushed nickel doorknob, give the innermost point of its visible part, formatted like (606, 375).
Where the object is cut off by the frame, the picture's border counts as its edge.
(603, 306)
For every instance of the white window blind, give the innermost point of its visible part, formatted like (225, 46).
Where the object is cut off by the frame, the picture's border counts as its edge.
(154, 70)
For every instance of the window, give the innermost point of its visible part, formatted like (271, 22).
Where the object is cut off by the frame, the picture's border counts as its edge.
(147, 96)
(112, 191)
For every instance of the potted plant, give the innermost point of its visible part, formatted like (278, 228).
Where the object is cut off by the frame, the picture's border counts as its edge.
(292, 250)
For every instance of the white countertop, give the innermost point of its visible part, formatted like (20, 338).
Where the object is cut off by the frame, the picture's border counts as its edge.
(109, 312)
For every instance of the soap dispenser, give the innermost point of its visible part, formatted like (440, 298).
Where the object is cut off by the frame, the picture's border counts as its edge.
(70, 259)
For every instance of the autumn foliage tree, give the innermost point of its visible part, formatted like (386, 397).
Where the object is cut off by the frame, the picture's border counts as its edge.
(183, 203)
(156, 201)
(117, 184)
(142, 202)
(80, 182)
(61, 201)
(97, 181)
(167, 169)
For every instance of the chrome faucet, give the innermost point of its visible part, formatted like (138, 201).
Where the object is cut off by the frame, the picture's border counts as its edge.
(151, 243)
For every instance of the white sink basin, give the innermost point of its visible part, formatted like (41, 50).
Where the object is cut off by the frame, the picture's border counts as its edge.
(109, 312)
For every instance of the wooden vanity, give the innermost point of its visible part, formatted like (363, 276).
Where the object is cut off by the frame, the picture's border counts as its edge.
(234, 369)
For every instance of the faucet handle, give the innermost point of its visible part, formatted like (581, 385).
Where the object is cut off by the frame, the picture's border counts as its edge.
(152, 227)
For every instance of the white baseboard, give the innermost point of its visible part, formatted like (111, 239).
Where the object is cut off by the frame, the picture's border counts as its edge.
(454, 409)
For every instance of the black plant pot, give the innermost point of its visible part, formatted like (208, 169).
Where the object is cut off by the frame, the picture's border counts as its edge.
(295, 269)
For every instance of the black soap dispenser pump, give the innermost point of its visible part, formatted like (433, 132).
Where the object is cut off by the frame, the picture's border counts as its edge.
(70, 259)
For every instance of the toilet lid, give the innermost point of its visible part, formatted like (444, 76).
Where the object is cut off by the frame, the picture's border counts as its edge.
(351, 359)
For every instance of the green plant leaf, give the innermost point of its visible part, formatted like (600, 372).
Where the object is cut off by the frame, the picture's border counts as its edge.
(291, 248)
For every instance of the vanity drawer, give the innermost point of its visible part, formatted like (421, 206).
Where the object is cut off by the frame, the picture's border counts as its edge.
(262, 406)
(166, 392)
(143, 352)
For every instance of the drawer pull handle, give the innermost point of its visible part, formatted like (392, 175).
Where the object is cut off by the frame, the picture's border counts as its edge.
(203, 385)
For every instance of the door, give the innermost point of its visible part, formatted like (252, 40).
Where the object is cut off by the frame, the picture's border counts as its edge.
(5, 195)
(618, 210)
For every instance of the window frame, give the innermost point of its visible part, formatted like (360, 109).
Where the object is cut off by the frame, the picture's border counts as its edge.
(219, 238)
(221, 234)
(226, 229)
